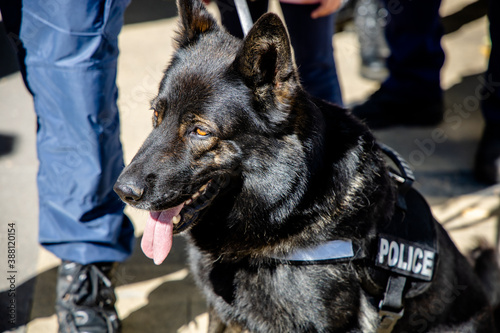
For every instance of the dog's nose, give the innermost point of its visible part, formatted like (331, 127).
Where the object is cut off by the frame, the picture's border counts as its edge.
(129, 192)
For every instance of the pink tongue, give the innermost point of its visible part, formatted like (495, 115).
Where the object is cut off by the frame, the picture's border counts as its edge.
(157, 238)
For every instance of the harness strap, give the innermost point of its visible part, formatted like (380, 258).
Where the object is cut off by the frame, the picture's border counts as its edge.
(391, 308)
(405, 178)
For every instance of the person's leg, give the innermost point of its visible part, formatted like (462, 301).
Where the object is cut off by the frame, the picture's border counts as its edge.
(413, 33)
(312, 44)
(229, 16)
(71, 69)
(412, 94)
(487, 166)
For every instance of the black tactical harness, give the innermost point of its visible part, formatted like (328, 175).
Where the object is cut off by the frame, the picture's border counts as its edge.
(401, 265)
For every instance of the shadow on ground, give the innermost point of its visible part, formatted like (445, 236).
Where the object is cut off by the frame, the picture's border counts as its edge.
(467, 14)
(150, 10)
(16, 305)
(7, 144)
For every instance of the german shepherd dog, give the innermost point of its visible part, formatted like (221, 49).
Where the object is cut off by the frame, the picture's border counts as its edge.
(250, 168)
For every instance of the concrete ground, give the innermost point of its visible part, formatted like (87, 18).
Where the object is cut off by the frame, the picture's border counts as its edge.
(163, 298)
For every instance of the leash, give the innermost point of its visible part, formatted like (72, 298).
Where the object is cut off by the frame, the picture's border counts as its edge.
(244, 15)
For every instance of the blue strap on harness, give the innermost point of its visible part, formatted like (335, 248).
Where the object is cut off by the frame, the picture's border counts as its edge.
(326, 252)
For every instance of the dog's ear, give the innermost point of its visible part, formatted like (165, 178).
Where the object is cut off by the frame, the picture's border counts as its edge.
(266, 57)
(194, 21)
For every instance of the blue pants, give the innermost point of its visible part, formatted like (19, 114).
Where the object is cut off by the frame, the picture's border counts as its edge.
(71, 58)
(413, 34)
(311, 40)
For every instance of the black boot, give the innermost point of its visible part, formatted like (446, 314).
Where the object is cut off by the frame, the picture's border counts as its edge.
(86, 298)
(381, 110)
(487, 163)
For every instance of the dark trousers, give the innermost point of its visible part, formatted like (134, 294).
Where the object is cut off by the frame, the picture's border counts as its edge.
(413, 34)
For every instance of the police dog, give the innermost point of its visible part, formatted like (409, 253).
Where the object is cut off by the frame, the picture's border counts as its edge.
(250, 168)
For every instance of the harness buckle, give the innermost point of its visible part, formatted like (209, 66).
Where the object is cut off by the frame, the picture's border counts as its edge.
(391, 308)
(388, 319)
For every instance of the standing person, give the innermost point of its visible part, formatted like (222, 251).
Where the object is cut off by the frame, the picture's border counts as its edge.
(70, 68)
(311, 25)
(412, 93)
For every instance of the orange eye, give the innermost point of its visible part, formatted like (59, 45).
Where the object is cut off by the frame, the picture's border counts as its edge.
(156, 114)
(201, 132)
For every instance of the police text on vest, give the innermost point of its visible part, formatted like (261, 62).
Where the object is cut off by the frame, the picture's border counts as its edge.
(405, 258)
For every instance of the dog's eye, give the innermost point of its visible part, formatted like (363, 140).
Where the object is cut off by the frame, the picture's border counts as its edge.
(156, 115)
(200, 132)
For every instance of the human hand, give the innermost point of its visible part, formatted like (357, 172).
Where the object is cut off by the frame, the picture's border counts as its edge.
(326, 7)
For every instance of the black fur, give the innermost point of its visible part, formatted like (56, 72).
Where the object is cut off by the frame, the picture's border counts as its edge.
(292, 171)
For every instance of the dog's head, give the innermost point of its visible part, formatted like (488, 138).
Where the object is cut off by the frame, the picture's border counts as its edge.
(220, 99)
